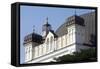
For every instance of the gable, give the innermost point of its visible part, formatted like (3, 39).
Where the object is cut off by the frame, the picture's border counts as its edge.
(50, 34)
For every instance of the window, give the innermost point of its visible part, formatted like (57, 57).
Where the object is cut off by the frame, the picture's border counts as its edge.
(61, 41)
(38, 50)
(42, 49)
(47, 44)
(69, 31)
(66, 39)
(69, 38)
(51, 42)
(47, 41)
(72, 36)
(26, 50)
(29, 49)
(58, 43)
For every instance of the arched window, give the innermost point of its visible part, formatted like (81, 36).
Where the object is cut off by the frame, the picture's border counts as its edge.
(47, 44)
(51, 42)
(47, 41)
(26, 53)
(26, 50)
(61, 41)
(66, 39)
(30, 52)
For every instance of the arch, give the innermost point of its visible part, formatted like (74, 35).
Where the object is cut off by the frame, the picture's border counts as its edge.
(51, 42)
(47, 44)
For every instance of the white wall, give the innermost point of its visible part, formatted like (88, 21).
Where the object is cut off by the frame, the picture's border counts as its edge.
(71, 34)
(80, 34)
(43, 49)
(5, 43)
(50, 45)
(48, 58)
(39, 51)
(28, 52)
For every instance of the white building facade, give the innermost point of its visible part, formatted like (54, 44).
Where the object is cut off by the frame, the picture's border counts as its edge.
(69, 37)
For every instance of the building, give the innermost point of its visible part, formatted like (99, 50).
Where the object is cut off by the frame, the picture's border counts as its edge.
(71, 36)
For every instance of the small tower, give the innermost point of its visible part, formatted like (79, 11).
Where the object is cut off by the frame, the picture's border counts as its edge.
(75, 27)
(46, 28)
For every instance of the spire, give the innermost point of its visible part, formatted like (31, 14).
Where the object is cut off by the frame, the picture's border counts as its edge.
(46, 27)
(47, 20)
(46, 23)
(75, 11)
(33, 28)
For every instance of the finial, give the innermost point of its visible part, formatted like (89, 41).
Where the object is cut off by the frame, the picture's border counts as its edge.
(47, 20)
(33, 28)
(75, 11)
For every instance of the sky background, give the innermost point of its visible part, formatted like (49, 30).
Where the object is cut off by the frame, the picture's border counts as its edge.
(35, 16)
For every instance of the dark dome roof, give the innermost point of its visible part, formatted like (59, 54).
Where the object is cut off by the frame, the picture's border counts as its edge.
(33, 37)
(81, 20)
(75, 20)
(61, 30)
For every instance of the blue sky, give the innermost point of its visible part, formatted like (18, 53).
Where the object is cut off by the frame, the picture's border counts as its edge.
(35, 16)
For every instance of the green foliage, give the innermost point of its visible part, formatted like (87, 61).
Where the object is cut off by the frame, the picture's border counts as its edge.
(84, 55)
